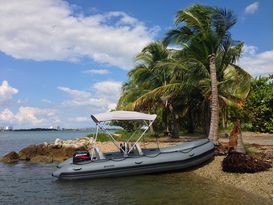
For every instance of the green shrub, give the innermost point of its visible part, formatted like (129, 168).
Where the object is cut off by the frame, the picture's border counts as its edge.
(259, 105)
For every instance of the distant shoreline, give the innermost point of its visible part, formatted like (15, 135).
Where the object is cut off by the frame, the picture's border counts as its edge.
(36, 129)
(50, 129)
(45, 129)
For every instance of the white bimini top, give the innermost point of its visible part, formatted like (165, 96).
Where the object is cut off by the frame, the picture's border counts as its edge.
(122, 115)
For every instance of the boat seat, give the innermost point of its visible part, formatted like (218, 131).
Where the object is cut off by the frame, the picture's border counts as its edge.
(99, 154)
(138, 149)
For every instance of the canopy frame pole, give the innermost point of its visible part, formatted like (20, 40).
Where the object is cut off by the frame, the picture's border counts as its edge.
(94, 142)
(141, 136)
(127, 141)
(112, 138)
(157, 141)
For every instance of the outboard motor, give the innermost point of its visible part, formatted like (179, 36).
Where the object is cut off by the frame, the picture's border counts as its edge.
(81, 156)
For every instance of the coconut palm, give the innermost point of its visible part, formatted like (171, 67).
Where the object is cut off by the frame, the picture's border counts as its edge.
(190, 84)
(178, 83)
(145, 83)
(204, 32)
(144, 77)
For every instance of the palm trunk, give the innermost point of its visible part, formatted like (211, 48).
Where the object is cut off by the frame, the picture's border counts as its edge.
(206, 118)
(214, 121)
(190, 123)
(152, 130)
(174, 124)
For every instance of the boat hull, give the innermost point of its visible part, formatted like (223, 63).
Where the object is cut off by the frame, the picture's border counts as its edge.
(168, 159)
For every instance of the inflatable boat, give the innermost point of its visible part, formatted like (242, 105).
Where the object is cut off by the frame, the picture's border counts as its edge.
(132, 160)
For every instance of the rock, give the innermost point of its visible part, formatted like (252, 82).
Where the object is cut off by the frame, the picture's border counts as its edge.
(28, 152)
(33, 150)
(59, 151)
(68, 142)
(58, 142)
(87, 138)
(66, 145)
(64, 153)
(11, 157)
(81, 144)
(41, 149)
(42, 159)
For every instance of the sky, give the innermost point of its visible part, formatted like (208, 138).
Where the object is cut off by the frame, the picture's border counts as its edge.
(61, 61)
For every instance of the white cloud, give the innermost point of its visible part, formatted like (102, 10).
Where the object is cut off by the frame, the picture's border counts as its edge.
(79, 119)
(85, 102)
(108, 87)
(252, 8)
(110, 91)
(175, 47)
(80, 98)
(96, 72)
(74, 93)
(30, 116)
(112, 106)
(249, 50)
(48, 30)
(46, 101)
(257, 63)
(103, 97)
(77, 97)
(6, 92)
(6, 115)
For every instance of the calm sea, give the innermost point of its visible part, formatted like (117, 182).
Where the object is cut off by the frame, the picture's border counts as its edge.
(28, 183)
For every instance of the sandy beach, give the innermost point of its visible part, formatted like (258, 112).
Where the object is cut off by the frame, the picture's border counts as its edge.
(260, 183)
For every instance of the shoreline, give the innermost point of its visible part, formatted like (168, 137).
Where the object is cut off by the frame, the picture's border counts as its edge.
(259, 183)
(259, 145)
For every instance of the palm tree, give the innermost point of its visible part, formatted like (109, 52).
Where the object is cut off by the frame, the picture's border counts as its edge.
(145, 82)
(190, 83)
(206, 29)
(144, 77)
(178, 83)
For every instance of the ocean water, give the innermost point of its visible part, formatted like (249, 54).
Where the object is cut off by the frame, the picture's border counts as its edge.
(29, 183)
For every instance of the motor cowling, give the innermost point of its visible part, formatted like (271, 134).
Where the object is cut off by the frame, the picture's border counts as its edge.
(81, 156)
